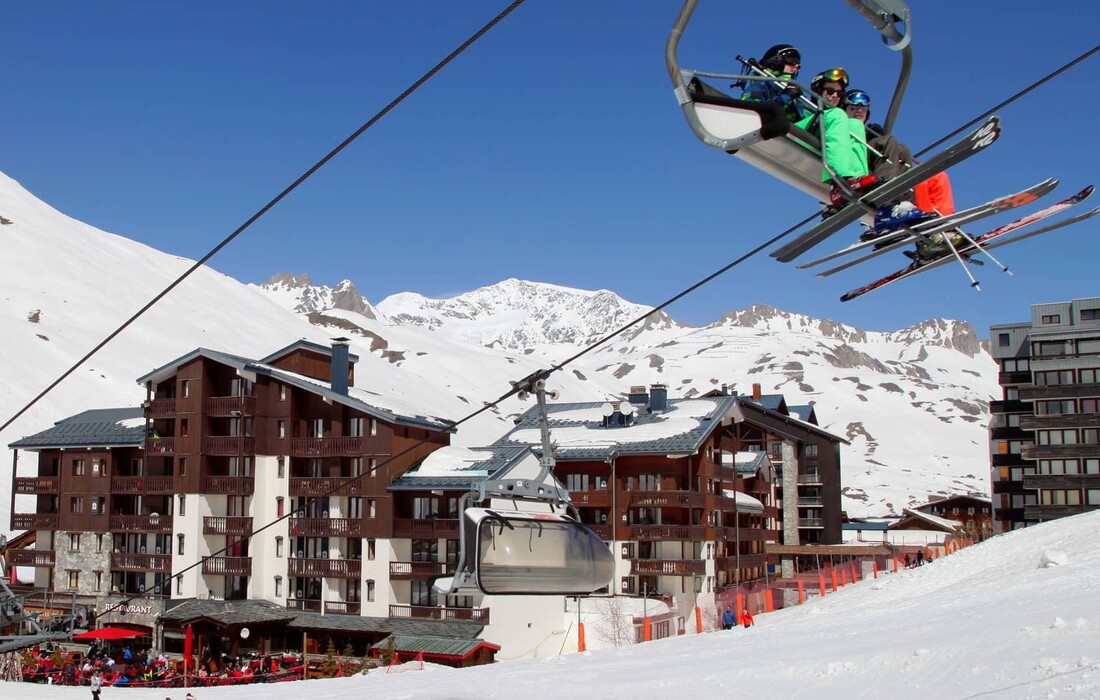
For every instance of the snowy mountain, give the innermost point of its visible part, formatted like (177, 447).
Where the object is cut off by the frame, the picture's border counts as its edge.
(912, 403)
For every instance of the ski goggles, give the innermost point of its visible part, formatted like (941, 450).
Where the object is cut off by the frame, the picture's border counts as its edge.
(857, 98)
(833, 75)
(790, 57)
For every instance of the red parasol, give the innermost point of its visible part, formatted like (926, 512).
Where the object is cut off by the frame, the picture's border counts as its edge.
(109, 633)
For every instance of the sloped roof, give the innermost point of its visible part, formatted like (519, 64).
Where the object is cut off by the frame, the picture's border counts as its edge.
(959, 497)
(931, 521)
(805, 413)
(793, 421)
(303, 344)
(772, 402)
(455, 467)
(437, 646)
(745, 502)
(228, 613)
(100, 427)
(579, 433)
(748, 463)
(355, 398)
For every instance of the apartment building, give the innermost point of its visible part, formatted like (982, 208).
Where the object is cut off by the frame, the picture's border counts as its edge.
(1045, 429)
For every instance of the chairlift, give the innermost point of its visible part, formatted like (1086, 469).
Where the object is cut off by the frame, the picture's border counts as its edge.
(540, 547)
(759, 133)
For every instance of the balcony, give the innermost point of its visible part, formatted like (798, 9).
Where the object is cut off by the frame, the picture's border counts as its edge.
(422, 612)
(811, 501)
(666, 499)
(124, 561)
(141, 523)
(228, 445)
(1006, 378)
(668, 567)
(745, 534)
(425, 527)
(1009, 406)
(1035, 482)
(222, 406)
(160, 445)
(1060, 420)
(811, 522)
(34, 521)
(1043, 392)
(305, 604)
(143, 484)
(687, 533)
(162, 408)
(227, 525)
(326, 527)
(326, 447)
(1060, 451)
(326, 486)
(1048, 512)
(328, 568)
(37, 484)
(227, 566)
(31, 557)
(809, 478)
(595, 499)
(230, 485)
(335, 607)
(745, 561)
(417, 570)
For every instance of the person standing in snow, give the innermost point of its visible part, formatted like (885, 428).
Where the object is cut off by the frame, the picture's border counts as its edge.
(905, 560)
(96, 684)
(728, 619)
(746, 618)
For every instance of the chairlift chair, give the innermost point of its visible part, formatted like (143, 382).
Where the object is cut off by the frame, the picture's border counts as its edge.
(759, 133)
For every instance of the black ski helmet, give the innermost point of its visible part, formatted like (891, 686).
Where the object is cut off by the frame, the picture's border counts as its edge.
(835, 75)
(779, 56)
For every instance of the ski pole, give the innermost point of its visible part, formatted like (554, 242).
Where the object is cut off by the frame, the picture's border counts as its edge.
(969, 239)
(973, 282)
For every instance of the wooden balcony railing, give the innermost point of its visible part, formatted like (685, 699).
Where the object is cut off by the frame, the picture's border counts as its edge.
(162, 408)
(1045, 392)
(230, 405)
(417, 570)
(329, 568)
(326, 447)
(125, 561)
(326, 486)
(143, 484)
(428, 527)
(1060, 420)
(228, 445)
(668, 567)
(598, 499)
(668, 532)
(31, 557)
(160, 445)
(34, 521)
(227, 566)
(326, 527)
(141, 523)
(423, 612)
(746, 561)
(37, 484)
(1076, 451)
(666, 499)
(231, 485)
(306, 604)
(810, 478)
(227, 525)
(602, 531)
(744, 534)
(336, 607)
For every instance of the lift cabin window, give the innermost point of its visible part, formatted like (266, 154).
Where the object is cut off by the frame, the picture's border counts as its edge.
(538, 553)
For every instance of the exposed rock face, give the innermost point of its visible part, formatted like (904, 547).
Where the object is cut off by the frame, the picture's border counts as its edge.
(303, 297)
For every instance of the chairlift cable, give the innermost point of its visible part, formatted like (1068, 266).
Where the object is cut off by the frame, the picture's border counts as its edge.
(270, 205)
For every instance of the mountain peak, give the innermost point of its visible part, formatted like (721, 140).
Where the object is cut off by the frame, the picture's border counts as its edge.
(298, 294)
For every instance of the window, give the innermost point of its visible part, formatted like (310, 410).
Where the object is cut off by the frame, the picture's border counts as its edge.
(1050, 348)
(1003, 340)
(1054, 377)
(372, 508)
(1088, 347)
(183, 505)
(355, 507)
(373, 467)
(315, 427)
(98, 468)
(99, 543)
(576, 482)
(425, 550)
(280, 506)
(98, 581)
(1092, 466)
(76, 504)
(1092, 497)
(179, 585)
(1090, 314)
(373, 427)
(183, 466)
(74, 578)
(278, 586)
(185, 389)
(809, 450)
(179, 547)
(282, 429)
(370, 590)
(1051, 318)
(1089, 406)
(78, 467)
(1051, 408)
(1088, 376)
(1012, 393)
(184, 427)
(278, 547)
(355, 427)
(74, 542)
(281, 467)
(1057, 437)
(370, 549)
(282, 392)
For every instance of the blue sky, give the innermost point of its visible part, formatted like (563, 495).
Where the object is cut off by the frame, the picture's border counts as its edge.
(553, 150)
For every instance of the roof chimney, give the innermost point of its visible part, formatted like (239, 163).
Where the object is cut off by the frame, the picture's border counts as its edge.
(755, 392)
(340, 365)
(638, 396)
(658, 398)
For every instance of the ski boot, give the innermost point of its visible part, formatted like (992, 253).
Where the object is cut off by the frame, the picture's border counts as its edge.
(860, 185)
(889, 219)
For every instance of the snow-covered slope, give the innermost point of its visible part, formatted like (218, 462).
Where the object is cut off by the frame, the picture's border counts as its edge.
(997, 620)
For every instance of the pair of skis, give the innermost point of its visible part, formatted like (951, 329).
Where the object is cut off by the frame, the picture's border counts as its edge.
(987, 241)
(977, 141)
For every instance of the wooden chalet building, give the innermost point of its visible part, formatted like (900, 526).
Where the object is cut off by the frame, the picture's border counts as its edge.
(973, 513)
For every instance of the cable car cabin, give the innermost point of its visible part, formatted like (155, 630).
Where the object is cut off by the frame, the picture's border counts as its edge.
(757, 133)
(510, 552)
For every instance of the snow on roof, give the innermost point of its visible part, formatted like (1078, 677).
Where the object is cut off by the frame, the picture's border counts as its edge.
(744, 501)
(454, 461)
(935, 520)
